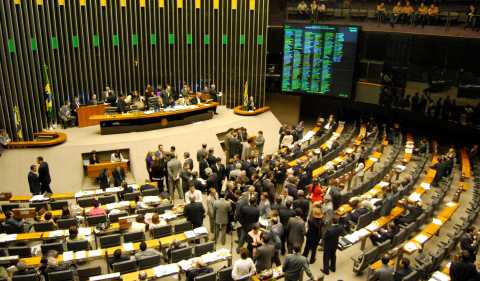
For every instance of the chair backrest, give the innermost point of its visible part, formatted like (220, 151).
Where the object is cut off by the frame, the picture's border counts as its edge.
(86, 202)
(95, 220)
(399, 237)
(11, 229)
(181, 254)
(38, 205)
(151, 192)
(58, 205)
(85, 273)
(52, 246)
(161, 231)
(162, 208)
(107, 199)
(64, 275)
(9, 206)
(148, 262)
(204, 248)
(410, 229)
(212, 276)
(134, 237)
(110, 241)
(26, 277)
(66, 223)
(145, 211)
(182, 227)
(79, 245)
(22, 252)
(225, 274)
(131, 196)
(114, 217)
(43, 226)
(125, 266)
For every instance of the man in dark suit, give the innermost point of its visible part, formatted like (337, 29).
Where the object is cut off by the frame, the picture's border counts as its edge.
(464, 269)
(247, 216)
(302, 203)
(330, 245)
(34, 181)
(44, 175)
(118, 175)
(285, 212)
(295, 230)
(167, 96)
(468, 243)
(212, 179)
(121, 104)
(264, 254)
(214, 95)
(194, 212)
(197, 99)
(188, 160)
(219, 168)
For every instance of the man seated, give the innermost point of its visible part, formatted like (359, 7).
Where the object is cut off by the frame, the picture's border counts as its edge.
(413, 211)
(407, 13)
(359, 209)
(385, 272)
(22, 269)
(145, 252)
(384, 234)
(397, 13)
(16, 225)
(422, 13)
(118, 256)
(433, 12)
(66, 116)
(97, 210)
(199, 268)
(403, 270)
(4, 140)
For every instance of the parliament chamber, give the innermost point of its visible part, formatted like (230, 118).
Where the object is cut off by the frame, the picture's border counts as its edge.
(218, 140)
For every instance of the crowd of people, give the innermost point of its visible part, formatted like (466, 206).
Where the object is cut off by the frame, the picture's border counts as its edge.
(408, 14)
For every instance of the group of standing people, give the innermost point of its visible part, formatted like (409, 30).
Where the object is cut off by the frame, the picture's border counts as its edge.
(39, 177)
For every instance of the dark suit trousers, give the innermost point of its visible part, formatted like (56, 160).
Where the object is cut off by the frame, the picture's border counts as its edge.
(45, 188)
(310, 246)
(329, 259)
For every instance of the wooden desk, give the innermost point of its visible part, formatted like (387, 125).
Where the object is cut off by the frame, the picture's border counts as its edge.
(94, 170)
(56, 139)
(141, 121)
(239, 111)
(84, 113)
(20, 198)
(466, 169)
(62, 196)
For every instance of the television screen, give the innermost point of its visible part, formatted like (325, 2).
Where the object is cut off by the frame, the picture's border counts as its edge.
(319, 59)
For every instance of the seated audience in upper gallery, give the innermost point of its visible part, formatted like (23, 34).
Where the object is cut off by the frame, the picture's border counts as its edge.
(408, 13)
(97, 210)
(412, 212)
(433, 12)
(421, 18)
(92, 158)
(68, 120)
(117, 156)
(118, 256)
(384, 273)
(302, 8)
(381, 12)
(397, 13)
(384, 234)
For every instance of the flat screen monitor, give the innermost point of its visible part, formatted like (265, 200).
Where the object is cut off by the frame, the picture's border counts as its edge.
(319, 59)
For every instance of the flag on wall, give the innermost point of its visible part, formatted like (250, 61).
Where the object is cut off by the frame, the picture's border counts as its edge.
(245, 96)
(234, 4)
(48, 95)
(18, 124)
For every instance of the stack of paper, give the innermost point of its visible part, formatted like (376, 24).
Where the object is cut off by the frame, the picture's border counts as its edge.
(84, 231)
(84, 193)
(7, 237)
(95, 253)
(114, 189)
(185, 264)
(168, 216)
(128, 247)
(80, 255)
(200, 230)
(414, 197)
(190, 234)
(40, 197)
(411, 247)
(57, 233)
(68, 256)
(165, 270)
(421, 238)
(383, 184)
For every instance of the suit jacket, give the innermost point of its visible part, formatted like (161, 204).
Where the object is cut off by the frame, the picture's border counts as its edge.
(384, 273)
(285, 214)
(34, 183)
(44, 173)
(202, 166)
(201, 153)
(221, 209)
(118, 177)
(303, 204)
(189, 161)
(249, 215)
(194, 212)
(174, 167)
(331, 235)
(195, 100)
(296, 231)
(212, 181)
(463, 271)
(264, 256)
(121, 106)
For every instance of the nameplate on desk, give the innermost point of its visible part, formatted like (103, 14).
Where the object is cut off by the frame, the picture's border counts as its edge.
(111, 276)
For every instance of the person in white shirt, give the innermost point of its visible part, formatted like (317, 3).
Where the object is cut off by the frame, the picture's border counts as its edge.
(287, 140)
(244, 267)
(138, 225)
(192, 191)
(116, 157)
(359, 171)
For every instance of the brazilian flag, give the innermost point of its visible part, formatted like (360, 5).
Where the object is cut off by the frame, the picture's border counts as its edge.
(18, 123)
(245, 96)
(48, 95)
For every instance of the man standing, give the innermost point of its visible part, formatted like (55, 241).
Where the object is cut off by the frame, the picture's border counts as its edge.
(296, 230)
(188, 160)
(247, 216)
(33, 180)
(259, 142)
(295, 264)
(330, 245)
(44, 175)
(221, 209)
(194, 212)
(173, 168)
(264, 254)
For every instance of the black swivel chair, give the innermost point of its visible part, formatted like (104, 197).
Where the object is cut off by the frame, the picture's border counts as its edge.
(79, 245)
(26, 277)
(66, 223)
(151, 192)
(145, 211)
(38, 205)
(225, 274)
(110, 241)
(133, 196)
(22, 252)
(134, 237)
(43, 226)
(161, 231)
(58, 205)
(52, 246)
(114, 217)
(95, 220)
(85, 273)
(148, 262)
(107, 199)
(125, 266)
(181, 254)
(64, 275)
(9, 206)
(207, 277)
(86, 202)
(204, 248)
(162, 208)
(182, 227)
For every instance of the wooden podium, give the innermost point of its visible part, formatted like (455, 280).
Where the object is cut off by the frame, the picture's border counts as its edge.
(84, 113)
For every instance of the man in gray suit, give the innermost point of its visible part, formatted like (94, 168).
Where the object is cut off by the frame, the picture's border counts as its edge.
(174, 168)
(295, 264)
(264, 255)
(295, 230)
(384, 273)
(202, 153)
(221, 208)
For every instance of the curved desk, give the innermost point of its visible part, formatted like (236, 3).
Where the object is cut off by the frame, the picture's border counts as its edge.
(238, 110)
(141, 121)
(56, 138)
